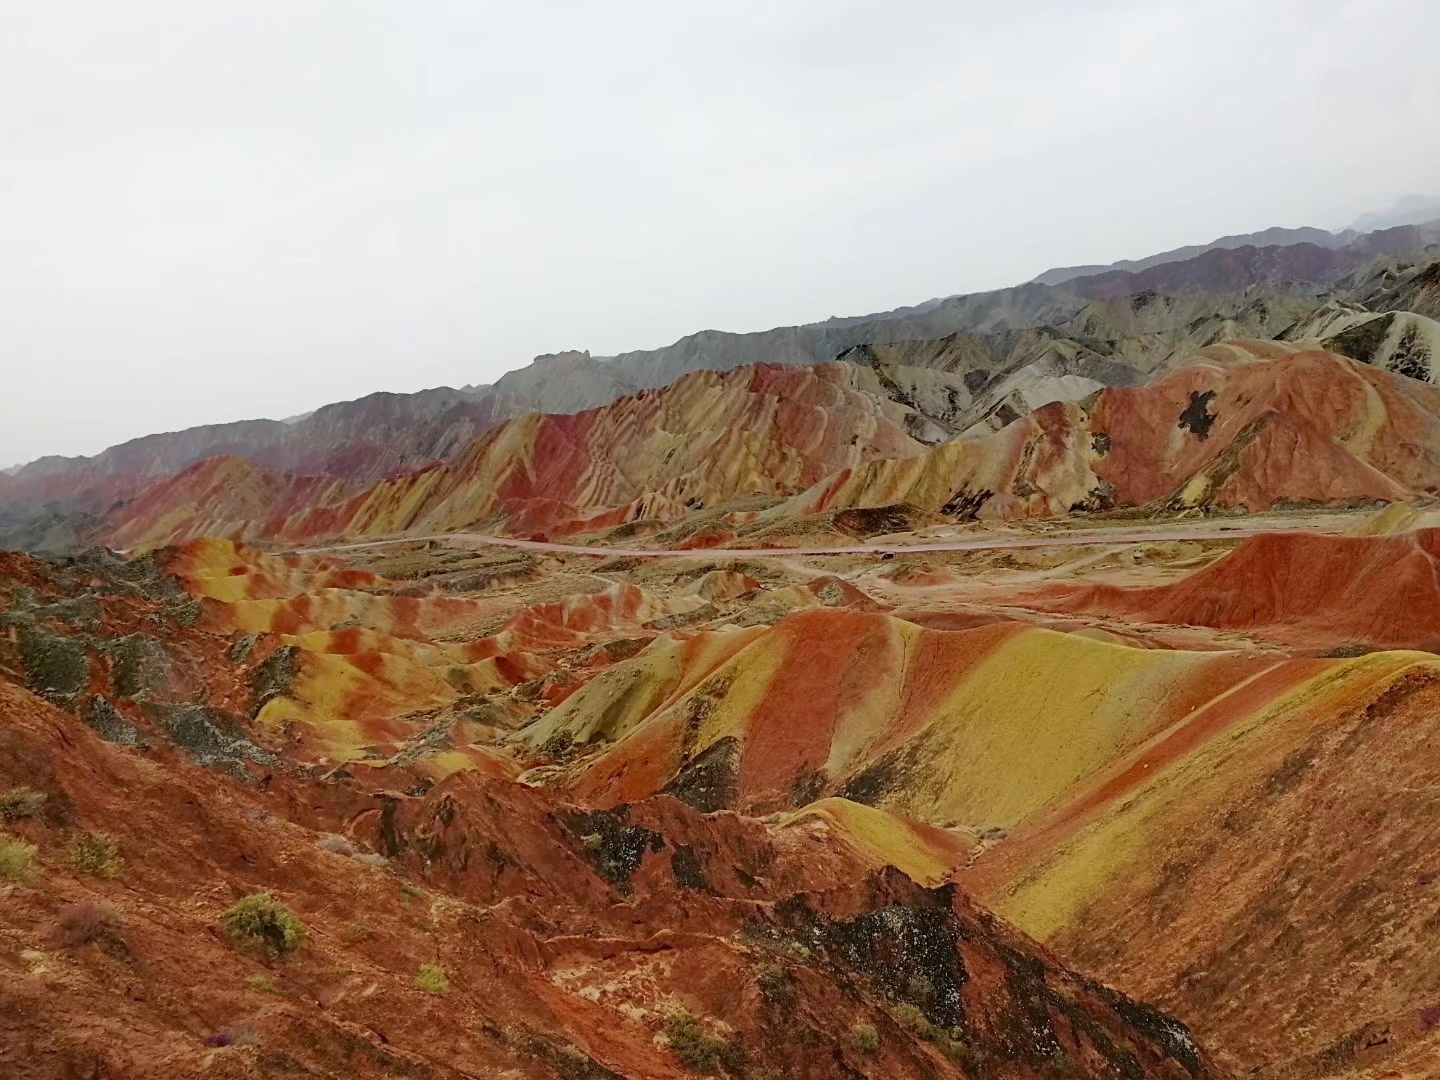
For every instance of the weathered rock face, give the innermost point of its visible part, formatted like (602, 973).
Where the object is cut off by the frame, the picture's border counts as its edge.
(1242, 425)
(1321, 593)
(1247, 425)
(472, 926)
(763, 430)
(537, 782)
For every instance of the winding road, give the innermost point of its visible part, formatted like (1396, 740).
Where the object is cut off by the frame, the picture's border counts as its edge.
(985, 543)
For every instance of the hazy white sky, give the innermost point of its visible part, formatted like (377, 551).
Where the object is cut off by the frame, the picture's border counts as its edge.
(213, 211)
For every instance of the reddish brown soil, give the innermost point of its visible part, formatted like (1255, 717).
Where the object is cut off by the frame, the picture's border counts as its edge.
(1318, 592)
(571, 939)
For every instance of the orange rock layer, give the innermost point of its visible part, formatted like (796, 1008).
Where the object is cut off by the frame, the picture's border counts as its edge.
(1246, 424)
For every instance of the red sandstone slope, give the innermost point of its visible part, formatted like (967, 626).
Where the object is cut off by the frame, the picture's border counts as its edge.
(217, 497)
(1251, 424)
(707, 437)
(1246, 424)
(569, 943)
(1309, 591)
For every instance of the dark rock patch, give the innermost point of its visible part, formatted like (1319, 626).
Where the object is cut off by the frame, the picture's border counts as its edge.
(1197, 418)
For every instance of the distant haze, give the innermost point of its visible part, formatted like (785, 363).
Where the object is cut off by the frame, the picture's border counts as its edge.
(248, 208)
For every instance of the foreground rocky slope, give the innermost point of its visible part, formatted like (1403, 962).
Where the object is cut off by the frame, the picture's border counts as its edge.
(466, 927)
(1199, 779)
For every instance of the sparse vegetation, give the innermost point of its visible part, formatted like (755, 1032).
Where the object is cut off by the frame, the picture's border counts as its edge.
(337, 845)
(354, 933)
(700, 1051)
(432, 979)
(262, 985)
(865, 1038)
(954, 1043)
(775, 987)
(260, 917)
(96, 854)
(21, 803)
(15, 859)
(913, 1020)
(90, 921)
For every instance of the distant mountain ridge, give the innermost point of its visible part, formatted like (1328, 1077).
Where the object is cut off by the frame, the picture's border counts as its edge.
(1272, 237)
(387, 435)
(1409, 210)
(1357, 237)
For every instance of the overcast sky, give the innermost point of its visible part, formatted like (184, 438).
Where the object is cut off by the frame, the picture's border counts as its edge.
(214, 211)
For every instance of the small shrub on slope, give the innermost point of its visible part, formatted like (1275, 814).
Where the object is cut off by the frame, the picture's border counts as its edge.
(87, 922)
(700, 1051)
(865, 1038)
(20, 803)
(260, 917)
(95, 854)
(432, 979)
(15, 858)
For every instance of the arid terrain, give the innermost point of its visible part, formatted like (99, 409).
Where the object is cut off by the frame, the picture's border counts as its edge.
(1045, 691)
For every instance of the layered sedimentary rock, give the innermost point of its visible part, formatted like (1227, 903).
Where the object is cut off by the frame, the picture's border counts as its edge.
(451, 922)
(762, 430)
(1246, 425)
(1321, 592)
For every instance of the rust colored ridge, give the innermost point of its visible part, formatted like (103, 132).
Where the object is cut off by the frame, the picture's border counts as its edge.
(1309, 591)
(1268, 884)
(1245, 424)
(221, 496)
(562, 942)
(704, 439)
(925, 853)
(980, 727)
(361, 441)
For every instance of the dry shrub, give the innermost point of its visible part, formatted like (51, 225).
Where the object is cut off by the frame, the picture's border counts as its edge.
(338, 845)
(20, 803)
(89, 921)
(700, 1051)
(95, 854)
(15, 859)
(865, 1038)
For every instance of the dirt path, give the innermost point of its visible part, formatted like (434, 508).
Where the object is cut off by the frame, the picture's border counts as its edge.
(987, 543)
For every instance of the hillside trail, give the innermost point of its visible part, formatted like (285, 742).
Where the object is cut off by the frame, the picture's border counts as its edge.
(1329, 525)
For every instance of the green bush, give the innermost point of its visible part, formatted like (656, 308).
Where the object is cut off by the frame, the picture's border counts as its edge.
(21, 803)
(261, 984)
(260, 917)
(913, 1020)
(432, 979)
(865, 1038)
(95, 854)
(954, 1043)
(700, 1051)
(15, 858)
